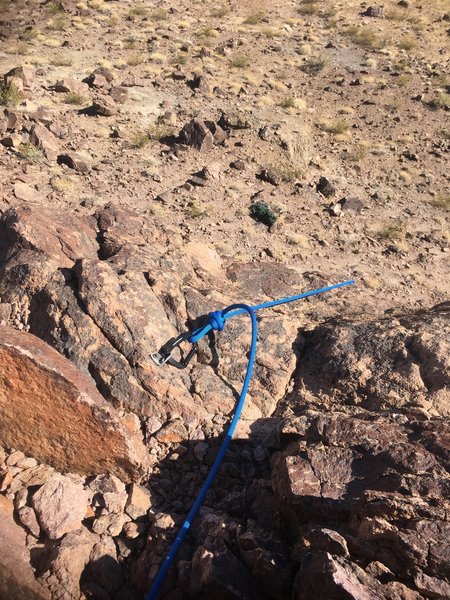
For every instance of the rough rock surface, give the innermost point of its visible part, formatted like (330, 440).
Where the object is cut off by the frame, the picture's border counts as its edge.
(366, 457)
(60, 505)
(92, 297)
(63, 419)
(17, 580)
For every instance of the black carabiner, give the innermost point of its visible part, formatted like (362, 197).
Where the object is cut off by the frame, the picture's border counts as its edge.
(164, 355)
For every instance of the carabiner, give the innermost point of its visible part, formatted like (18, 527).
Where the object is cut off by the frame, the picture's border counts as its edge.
(164, 355)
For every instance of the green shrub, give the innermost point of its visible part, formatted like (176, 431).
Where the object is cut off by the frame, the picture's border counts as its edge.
(261, 212)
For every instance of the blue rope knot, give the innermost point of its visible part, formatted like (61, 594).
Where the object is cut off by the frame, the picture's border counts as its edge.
(216, 320)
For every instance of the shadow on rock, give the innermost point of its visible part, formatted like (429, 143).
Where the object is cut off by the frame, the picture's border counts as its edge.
(234, 548)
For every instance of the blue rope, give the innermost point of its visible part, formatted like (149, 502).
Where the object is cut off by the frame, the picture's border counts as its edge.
(217, 320)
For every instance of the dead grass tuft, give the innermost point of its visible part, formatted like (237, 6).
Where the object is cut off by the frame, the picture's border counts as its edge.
(441, 201)
(10, 95)
(313, 65)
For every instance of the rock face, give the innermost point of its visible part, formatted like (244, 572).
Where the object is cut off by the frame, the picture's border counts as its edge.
(366, 459)
(17, 580)
(92, 297)
(352, 501)
(63, 419)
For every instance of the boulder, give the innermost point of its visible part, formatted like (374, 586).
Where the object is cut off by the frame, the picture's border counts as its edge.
(23, 191)
(42, 138)
(52, 411)
(72, 86)
(60, 505)
(104, 106)
(17, 581)
(24, 73)
(66, 562)
(197, 134)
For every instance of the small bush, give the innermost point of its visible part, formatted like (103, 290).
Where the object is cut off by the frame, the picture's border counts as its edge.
(240, 61)
(61, 61)
(261, 212)
(407, 43)
(393, 231)
(441, 201)
(22, 48)
(289, 102)
(130, 43)
(57, 24)
(180, 59)
(207, 33)
(196, 211)
(313, 65)
(337, 127)
(140, 139)
(30, 33)
(10, 95)
(54, 8)
(31, 152)
(442, 100)
(159, 15)
(159, 131)
(395, 14)
(270, 32)
(255, 18)
(355, 154)
(74, 98)
(220, 12)
(139, 10)
(135, 60)
(364, 37)
(309, 7)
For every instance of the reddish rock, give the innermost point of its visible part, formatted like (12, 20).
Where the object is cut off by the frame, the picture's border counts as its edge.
(432, 587)
(104, 569)
(60, 505)
(42, 138)
(52, 411)
(72, 86)
(66, 562)
(197, 134)
(104, 106)
(14, 120)
(139, 501)
(119, 94)
(17, 581)
(173, 432)
(99, 76)
(79, 161)
(24, 73)
(23, 191)
(363, 447)
(28, 519)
